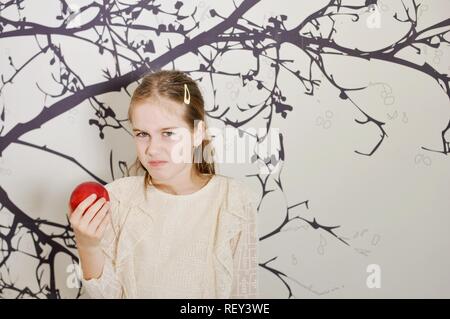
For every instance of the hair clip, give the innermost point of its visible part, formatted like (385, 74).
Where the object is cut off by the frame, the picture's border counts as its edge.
(187, 95)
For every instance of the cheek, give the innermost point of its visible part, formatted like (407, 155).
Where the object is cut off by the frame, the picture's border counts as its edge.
(180, 152)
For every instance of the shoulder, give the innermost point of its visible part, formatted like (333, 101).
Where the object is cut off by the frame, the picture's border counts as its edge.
(241, 197)
(232, 181)
(124, 187)
(125, 194)
(242, 190)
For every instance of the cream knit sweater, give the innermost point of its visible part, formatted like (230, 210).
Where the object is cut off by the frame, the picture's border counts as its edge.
(200, 245)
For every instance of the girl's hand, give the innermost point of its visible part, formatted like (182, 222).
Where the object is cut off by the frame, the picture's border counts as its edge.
(89, 225)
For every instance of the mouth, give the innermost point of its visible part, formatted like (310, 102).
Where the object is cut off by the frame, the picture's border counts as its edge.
(156, 164)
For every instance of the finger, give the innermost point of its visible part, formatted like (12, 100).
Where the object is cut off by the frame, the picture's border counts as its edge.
(79, 210)
(90, 213)
(105, 222)
(93, 224)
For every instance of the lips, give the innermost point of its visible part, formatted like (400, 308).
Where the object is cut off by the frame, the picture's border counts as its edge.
(156, 163)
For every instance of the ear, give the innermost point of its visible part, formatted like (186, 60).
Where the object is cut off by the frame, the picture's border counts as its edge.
(199, 133)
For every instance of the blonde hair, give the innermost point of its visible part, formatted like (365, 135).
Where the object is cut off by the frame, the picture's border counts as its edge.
(173, 84)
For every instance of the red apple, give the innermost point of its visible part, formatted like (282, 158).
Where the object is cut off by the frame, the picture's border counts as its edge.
(84, 190)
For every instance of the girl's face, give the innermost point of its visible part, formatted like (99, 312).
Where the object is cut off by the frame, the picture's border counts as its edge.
(160, 134)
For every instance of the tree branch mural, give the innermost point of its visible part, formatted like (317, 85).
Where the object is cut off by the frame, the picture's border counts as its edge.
(126, 39)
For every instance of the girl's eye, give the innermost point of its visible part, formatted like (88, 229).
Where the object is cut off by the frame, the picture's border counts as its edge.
(169, 133)
(139, 134)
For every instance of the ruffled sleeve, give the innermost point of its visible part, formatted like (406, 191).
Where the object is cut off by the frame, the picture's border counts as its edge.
(108, 285)
(236, 251)
(245, 254)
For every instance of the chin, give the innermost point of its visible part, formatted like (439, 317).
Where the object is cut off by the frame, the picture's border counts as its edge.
(158, 172)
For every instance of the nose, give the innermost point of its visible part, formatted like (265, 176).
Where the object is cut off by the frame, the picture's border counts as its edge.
(154, 147)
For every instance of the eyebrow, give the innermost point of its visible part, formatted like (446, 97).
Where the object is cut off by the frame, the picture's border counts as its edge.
(163, 129)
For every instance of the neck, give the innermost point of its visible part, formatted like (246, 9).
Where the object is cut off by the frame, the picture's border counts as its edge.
(186, 182)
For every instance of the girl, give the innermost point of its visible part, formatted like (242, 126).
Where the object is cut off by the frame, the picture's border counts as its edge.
(180, 230)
